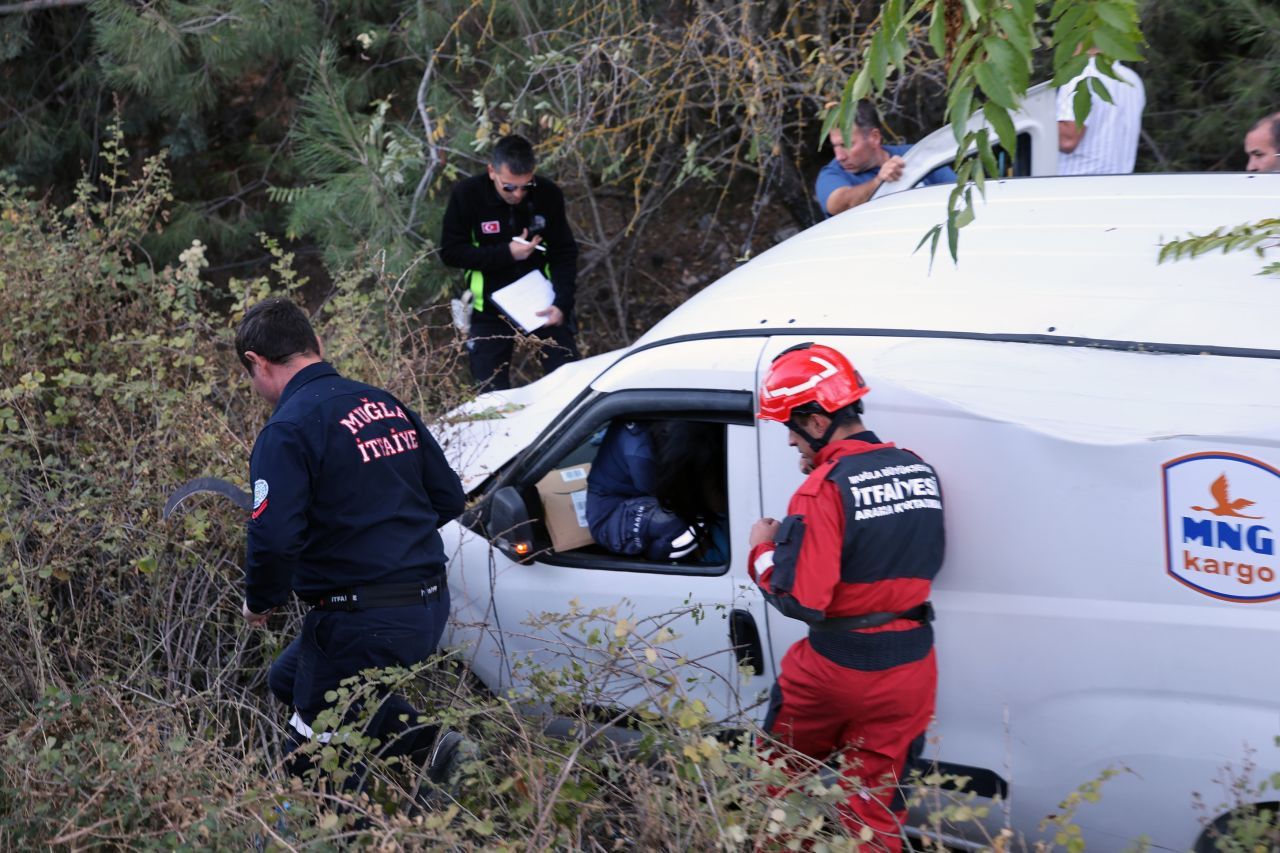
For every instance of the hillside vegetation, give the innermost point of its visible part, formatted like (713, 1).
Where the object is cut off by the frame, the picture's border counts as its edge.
(686, 134)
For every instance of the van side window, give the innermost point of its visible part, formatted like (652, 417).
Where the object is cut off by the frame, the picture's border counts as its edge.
(1017, 166)
(649, 490)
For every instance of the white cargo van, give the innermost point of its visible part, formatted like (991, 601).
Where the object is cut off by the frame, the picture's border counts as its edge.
(1107, 432)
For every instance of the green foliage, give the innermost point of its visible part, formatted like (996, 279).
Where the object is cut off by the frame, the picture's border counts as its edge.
(1065, 831)
(1248, 820)
(180, 56)
(82, 771)
(339, 127)
(105, 387)
(1213, 70)
(369, 167)
(1221, 67)
(1256, 237)
(575, 78)
(134, 700)
(988, 48)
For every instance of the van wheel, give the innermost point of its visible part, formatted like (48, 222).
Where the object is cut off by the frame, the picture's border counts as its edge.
(1255, 827)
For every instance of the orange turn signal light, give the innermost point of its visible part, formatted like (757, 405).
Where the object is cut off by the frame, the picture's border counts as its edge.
(522, 548)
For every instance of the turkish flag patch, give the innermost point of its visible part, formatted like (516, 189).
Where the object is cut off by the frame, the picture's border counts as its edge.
(260, 490)
(490, 227)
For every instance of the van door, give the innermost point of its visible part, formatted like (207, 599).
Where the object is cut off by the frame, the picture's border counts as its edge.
(1036, 123)
(557, 611)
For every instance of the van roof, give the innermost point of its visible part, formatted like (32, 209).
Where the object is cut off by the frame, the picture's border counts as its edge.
(1048, 260)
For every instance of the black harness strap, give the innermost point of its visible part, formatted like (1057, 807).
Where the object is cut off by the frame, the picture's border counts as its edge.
(922, 613)
(383, 595)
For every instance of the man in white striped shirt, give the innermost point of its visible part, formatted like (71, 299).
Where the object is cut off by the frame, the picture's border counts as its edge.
(1107, 142)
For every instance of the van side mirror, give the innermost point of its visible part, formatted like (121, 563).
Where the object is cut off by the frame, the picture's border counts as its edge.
(509, 527)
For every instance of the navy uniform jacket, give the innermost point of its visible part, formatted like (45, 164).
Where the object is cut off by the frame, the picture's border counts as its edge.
(624, 469)
(478, 226)
(349, 490)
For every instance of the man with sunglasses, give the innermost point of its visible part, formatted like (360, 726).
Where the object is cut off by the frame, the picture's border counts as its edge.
(499, 226)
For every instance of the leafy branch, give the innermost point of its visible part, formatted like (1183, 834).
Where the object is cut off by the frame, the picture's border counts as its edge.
(1258, 237)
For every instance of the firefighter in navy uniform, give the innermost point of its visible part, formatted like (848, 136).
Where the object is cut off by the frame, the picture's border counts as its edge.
(854, 558)
(349, 490)
(499, 226)
(624, 513)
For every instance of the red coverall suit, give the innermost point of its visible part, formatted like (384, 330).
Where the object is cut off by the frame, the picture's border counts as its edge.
(863, 536)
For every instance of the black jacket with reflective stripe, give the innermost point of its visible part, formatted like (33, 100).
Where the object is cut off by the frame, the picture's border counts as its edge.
(478, 226)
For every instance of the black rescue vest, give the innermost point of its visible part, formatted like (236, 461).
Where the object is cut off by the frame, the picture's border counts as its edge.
(893, 530)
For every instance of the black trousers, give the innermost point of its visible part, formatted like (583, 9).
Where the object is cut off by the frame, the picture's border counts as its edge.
(334, 645)
(493, 339)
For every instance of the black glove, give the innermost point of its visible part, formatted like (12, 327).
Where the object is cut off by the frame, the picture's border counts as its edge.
(684, 544)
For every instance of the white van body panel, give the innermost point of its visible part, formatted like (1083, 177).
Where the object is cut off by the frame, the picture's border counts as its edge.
(717, 363)
(1079, 401)
(481, 436)
(1060, 257)
(1097, 396)
(1064, 645)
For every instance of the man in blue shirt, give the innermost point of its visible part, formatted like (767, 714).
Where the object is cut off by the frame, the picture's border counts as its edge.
(862, 165)
(349, 491)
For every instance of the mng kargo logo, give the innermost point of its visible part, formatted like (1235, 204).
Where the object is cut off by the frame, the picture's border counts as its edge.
(1219, 515)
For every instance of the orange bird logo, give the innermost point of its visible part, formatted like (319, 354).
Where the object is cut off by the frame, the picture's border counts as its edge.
(1221, 493)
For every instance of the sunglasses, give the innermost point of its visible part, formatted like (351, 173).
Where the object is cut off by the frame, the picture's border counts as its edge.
(510, 188)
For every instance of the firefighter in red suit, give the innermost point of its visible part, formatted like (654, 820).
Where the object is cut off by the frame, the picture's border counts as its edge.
(854, 559)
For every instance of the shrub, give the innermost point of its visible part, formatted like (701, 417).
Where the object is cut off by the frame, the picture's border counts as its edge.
(133, 694)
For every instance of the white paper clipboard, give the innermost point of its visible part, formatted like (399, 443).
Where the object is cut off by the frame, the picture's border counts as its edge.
(524, 298)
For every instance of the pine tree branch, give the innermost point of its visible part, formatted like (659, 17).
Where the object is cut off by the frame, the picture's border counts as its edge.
(37, 5)
(428, 135)
(434, 159)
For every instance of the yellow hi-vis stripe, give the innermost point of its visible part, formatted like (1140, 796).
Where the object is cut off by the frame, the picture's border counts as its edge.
(475, 280)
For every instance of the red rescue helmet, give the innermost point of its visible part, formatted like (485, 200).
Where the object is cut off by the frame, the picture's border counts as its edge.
(807, 378)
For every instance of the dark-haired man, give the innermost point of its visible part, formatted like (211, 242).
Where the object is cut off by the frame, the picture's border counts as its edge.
(349, 490)
(854, 559)
(499, 226)
(1262, 145)
(863, 162)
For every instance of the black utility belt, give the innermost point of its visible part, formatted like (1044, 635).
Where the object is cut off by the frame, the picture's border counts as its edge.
(382, 595)
(922, 613)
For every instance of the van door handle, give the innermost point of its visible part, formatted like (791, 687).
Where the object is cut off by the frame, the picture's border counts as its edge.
(746, 640)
